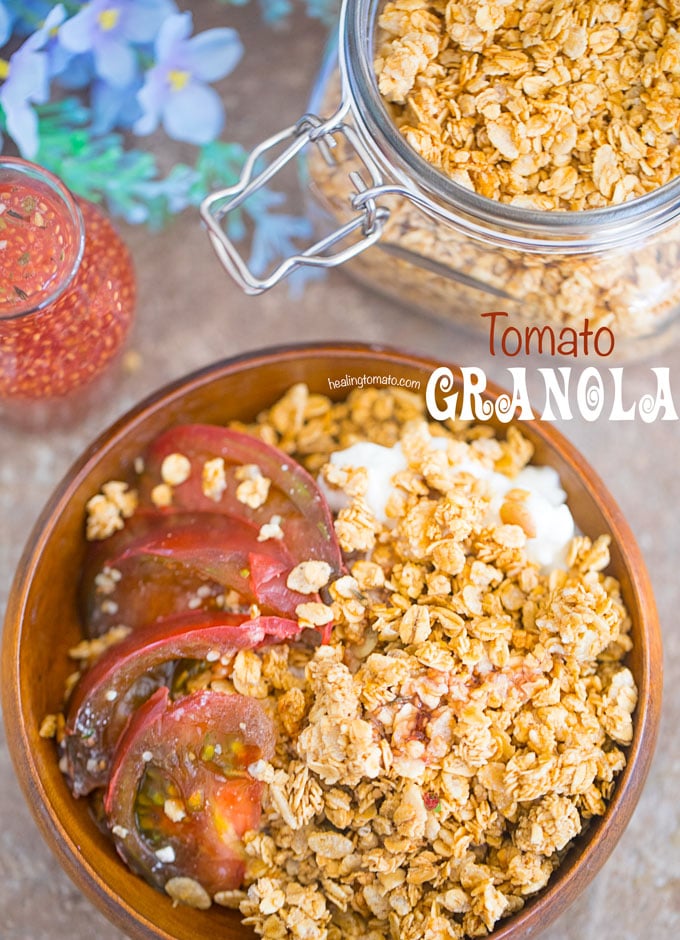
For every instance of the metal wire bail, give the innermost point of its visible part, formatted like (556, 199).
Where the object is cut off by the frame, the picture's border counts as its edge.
(309, 130)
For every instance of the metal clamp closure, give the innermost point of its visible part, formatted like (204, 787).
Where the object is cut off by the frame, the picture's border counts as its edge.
(369, 221)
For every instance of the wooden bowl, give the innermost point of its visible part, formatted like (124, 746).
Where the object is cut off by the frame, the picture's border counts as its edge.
(42, 624)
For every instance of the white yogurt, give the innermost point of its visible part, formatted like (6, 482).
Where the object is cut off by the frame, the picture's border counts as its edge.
(546, 501)
(381, 464)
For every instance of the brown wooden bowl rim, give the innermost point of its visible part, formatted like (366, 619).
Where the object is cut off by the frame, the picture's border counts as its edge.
(574, 874)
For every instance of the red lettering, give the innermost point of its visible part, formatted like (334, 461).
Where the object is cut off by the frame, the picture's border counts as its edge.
(568, 342)
(492, 328)
(585, 334)
(610, 336)
(511, 330)
(545, 340)
(540, 332)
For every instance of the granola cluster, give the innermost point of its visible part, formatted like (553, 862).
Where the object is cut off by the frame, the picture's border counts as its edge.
(467, 718)
(108, 510)
(540, 103)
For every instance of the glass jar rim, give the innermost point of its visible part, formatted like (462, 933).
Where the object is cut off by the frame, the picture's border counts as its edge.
(535, 229)
(24, 168)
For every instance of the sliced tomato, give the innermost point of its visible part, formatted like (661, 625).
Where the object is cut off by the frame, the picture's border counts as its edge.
(307, 522)
(268, 578)
(165, 565)
(180, 796)
(132, 670)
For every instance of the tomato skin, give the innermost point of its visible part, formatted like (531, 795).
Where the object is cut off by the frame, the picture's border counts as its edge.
(163, 560)
(169, 740)
(294, 495)
(130, 671)
(268, 579)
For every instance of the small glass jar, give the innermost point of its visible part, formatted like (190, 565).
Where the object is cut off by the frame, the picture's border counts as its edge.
(67, 296)
(447, 250)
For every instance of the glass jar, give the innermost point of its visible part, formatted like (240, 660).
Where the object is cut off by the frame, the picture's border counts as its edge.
(450, 251)
(67, 295)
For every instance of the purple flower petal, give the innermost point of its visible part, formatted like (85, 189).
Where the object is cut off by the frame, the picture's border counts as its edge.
(173, 31)
(175, 90)
(115, 62)
(74, 34)
(194, 114)
(5, 24)
(28, 80)
(28, 83)
(109, 29)
(22, 125)
(215, 53)
(113, 107)
(150, 98)
(74, 69)
(143, 18)
(54, 18)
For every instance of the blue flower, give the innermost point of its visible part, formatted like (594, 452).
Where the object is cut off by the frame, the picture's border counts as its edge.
(109, 28)
(26, 15)
(276, 236)
(113, 107)
(71, 69)
(175, 92)
(274, 239)
(27, 83)
(5, 24)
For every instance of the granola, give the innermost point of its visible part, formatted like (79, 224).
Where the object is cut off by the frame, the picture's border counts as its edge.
(438, 750)
(253, 488)
(108, 510)
(439, 755)
(547, 105)
(175, 469)
(543, 106)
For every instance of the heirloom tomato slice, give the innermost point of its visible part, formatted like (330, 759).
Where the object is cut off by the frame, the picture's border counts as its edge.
(293, 495)
(180, 797)
(160, 565)
(126, 674)
(268, 578)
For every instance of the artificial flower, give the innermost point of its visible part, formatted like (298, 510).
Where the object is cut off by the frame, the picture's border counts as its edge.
(276, 240)
(27, 83)
(113, 107)
(108, 28)
(92, 69)
(175, 92)
(5, 24)
(26, 15)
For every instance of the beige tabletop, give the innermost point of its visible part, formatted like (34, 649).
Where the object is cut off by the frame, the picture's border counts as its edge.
(190, 314)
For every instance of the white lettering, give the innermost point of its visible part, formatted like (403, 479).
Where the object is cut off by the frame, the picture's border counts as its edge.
(474, 383)
(553, 391)
(441, 380)
(617, 412)
(506, 407)
(650, 407)
(590, 394)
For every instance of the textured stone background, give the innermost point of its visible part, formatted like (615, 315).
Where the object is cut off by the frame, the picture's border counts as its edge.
(190, 314)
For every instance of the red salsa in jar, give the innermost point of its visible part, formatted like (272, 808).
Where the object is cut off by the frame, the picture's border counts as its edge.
(67, 294)
(38, 250)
